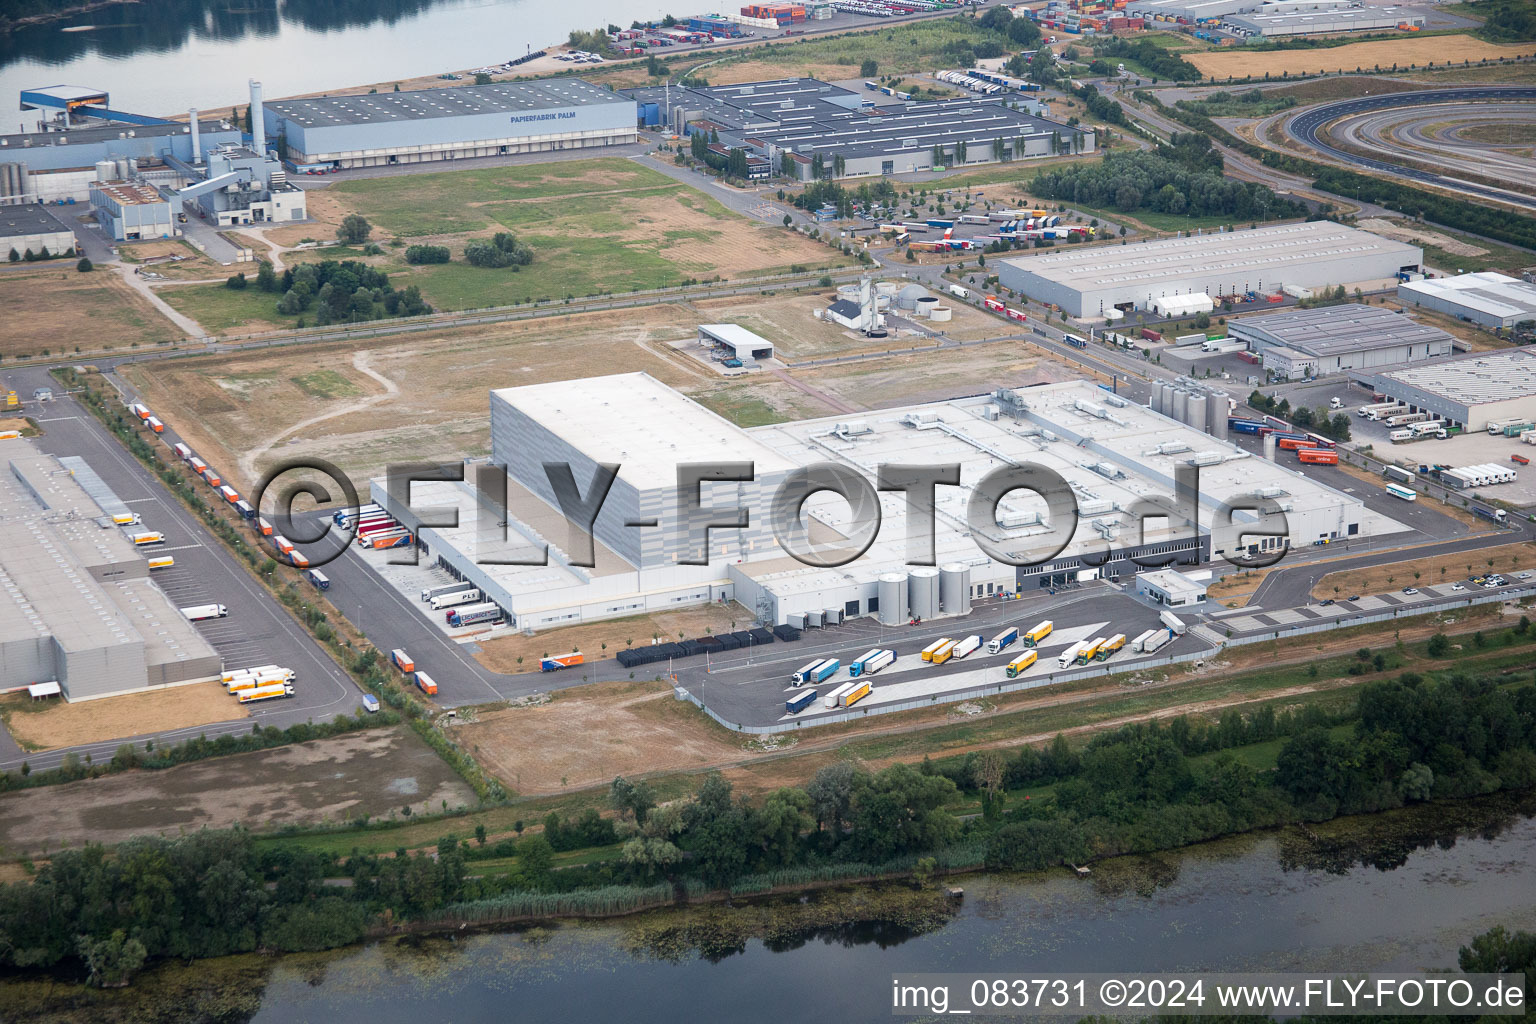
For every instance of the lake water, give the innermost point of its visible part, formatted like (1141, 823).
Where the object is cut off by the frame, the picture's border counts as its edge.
(1272, 902)
(163, 56)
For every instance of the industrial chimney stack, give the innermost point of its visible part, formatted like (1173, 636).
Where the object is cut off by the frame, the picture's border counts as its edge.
(258, 122)
(197, 148)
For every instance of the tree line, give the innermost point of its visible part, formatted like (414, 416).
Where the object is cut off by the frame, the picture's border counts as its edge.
(1503, 226)
(1153, 181)
(1334, 425)
(339, 291)
(1159, 62)
(1137, 789)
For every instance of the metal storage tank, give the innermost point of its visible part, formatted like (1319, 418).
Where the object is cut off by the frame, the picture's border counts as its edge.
(955, 588)
(106, 170)
(924, 306)
(1167, 391)
(893, 599)
(126, 166)
(1196, 414)
(849, 292)
(887, 288)
(7, 183)
(1216, 415)
(908, 296)
(940, 314)
(1156, 401)
(1181, 406)
(1269, 447)
(923, 592)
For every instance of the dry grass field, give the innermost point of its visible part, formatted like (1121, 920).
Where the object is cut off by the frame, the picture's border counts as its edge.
(45, 726)
(376, 772)
(423, 397)
(1407, 52)
(53, 309)
(194, 266)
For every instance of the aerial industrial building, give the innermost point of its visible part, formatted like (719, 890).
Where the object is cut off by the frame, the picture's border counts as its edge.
(1112, 454)
(1336, 339)
(800, 125)
(1488, 298)
(1088, 281)
(129, 212)
(1275, 20)
(77, 607)
(31, 228)
(1469, 390)
(380, 129)
(62, 158)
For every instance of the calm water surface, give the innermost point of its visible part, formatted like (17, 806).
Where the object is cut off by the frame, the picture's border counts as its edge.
(163, 56)
(1227, 906)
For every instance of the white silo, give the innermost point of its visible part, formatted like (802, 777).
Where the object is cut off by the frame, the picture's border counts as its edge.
(955, 588)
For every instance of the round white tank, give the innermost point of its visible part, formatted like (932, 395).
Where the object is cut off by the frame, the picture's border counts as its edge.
(889, 288)
(924, 306)
(1181, 406)
(908, 296)
(893, 598)
(849, 292)
(882, 302)
(955, 588)
(1216, 414)
(923, 592)
(1196, 414)
(1269, 447)
(940, 314)
(106, 170)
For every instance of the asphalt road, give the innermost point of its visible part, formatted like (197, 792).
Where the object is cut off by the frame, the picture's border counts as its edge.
(257, 631)
(1306, 128)
(749, 687)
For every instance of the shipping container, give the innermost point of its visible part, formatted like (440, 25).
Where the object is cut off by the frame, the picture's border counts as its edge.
(965, 646)
(943, 654)
(282, 543)
(230, 675)
(453, 598)
(1110, 647)
(426, 684)
(1033, 637)
(244, 508)
(401, 660)
(147, 539)
(559, 661)
(199, 612)
(799, 702)
(263, 527)
(229, 494)
(933, 648)
(1090, 649)
(834, 697)
(854, 694)
(442, 588)
(261, 693)
(320, 580)
(474, 614)
(1022, 662)
(1003, 640)
(161, 562)
(1068, 656)
(155, 425)
(182, 451)
(1318, 456)
(1173, 622)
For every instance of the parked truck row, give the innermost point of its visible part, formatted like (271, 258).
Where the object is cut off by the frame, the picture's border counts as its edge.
(259, 683)
(467, 605)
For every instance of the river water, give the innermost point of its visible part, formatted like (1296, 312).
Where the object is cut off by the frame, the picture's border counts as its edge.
(1272, 902)
(162, 56)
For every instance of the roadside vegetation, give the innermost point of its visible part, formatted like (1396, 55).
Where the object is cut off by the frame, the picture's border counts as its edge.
(1253, 103)
(1504, 21)
(1446, 734)
(1182, 178)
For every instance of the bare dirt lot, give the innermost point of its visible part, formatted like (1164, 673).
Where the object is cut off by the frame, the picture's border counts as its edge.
(1392, 229)
(376, 772)
(502, 654)
(50, 724)
(586, 736)
(53, 309)
(420, 398)
(937, 375)
(1507, 558)
(193, 266)
(1408, 52)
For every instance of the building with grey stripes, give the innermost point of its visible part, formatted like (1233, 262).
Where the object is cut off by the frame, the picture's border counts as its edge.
(77, 606)
(1114, 456)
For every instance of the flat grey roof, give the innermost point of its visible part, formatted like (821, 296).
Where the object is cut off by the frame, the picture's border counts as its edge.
(497, 98)
(1475, 378)
(737, 337)
(16, 143)
(1486, 292)
(27, 219)
(916, 127)
(1270, 249)
(67, 573)
(1337, 330)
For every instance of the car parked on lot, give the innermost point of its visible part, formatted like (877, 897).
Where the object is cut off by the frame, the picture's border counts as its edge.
(1457, 586)
(1410, 590)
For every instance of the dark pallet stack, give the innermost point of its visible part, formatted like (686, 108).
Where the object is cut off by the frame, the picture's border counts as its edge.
(633, 657)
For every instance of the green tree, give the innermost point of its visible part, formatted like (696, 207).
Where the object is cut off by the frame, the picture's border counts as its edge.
(266, 277)
(535, 859)
(84, 266)
(1439, 646)
(112, 961)
(635, 798)
(354, 229)
(869, 68)
(235, 281)
(481, 78)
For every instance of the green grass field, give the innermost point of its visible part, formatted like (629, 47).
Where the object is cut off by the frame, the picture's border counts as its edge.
(220, 309)
(1159, 221)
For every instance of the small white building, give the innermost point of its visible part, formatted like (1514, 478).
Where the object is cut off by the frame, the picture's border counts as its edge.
(1170, 587)
(31, 228)
(1175, 306)
(736, 341)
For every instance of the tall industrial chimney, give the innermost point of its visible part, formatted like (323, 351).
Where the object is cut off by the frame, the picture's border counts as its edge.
(258, 122)
(197, 148)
